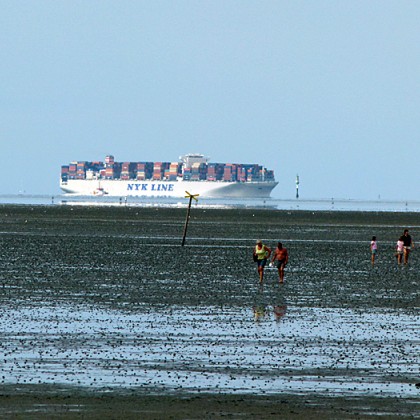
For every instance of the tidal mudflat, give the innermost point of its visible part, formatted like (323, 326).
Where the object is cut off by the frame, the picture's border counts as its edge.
(103, 304)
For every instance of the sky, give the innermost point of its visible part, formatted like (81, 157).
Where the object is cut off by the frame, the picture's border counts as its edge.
(329, 90)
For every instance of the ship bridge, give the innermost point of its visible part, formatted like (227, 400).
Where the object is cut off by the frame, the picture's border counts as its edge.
(190, 158)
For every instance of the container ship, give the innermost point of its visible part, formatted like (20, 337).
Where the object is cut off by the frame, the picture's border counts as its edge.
(192, 172)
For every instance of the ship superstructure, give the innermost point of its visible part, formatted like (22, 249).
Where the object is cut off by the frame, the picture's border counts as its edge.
(192, 172)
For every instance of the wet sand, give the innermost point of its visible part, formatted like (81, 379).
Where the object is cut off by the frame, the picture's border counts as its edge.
(54, 403)
(104, 314)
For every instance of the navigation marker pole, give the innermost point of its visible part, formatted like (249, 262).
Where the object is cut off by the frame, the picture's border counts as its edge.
(191, 197)
(297, 186)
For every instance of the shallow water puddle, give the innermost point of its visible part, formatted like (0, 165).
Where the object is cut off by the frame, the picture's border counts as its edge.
(265, 349)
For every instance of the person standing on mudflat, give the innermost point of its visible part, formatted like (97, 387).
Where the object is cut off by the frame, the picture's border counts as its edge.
(373, 249)
(408, 245)
(261, 254)
(282, 257)
(400, 250)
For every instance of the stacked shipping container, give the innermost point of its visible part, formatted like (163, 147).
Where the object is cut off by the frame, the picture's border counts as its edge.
(197, 171)
(172, 173)
(159, 169)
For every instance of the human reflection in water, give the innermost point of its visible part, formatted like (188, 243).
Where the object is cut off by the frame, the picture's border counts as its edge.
(279, 311)
(260, 311)
(266, 311)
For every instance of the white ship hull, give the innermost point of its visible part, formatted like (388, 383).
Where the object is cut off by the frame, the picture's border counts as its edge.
(149, 188)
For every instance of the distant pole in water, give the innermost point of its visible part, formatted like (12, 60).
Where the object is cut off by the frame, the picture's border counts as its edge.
(297, 186)
(191, 197)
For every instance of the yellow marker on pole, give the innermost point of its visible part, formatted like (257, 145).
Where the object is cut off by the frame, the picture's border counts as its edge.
(191, 197)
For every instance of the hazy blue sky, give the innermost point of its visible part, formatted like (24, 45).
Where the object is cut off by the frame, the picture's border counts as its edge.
(326, 89)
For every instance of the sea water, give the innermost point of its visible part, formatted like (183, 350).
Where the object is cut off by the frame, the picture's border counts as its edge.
(269, 203)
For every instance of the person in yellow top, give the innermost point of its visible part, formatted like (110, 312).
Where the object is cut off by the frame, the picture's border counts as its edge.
(261, 254)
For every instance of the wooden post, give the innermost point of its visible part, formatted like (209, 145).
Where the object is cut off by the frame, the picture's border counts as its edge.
(191, 197)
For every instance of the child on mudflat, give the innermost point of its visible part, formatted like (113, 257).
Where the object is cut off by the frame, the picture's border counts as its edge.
(400, 249)
(373, 249)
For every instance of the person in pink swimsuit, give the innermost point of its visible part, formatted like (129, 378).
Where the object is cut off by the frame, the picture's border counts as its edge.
(373, 249)
(400, 250)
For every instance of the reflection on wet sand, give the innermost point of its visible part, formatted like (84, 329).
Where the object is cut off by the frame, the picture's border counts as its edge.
(279, 311)
(205, 349)
(265, 311)
(269, 302)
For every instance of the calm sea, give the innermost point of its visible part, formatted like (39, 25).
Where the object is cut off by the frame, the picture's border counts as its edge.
(279, 204)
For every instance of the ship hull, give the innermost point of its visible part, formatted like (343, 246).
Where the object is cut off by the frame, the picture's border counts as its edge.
(148, 188)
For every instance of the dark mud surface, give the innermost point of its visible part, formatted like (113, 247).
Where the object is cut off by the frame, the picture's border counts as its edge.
(104, 314)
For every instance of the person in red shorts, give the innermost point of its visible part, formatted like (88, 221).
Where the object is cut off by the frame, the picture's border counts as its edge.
(282, 257)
